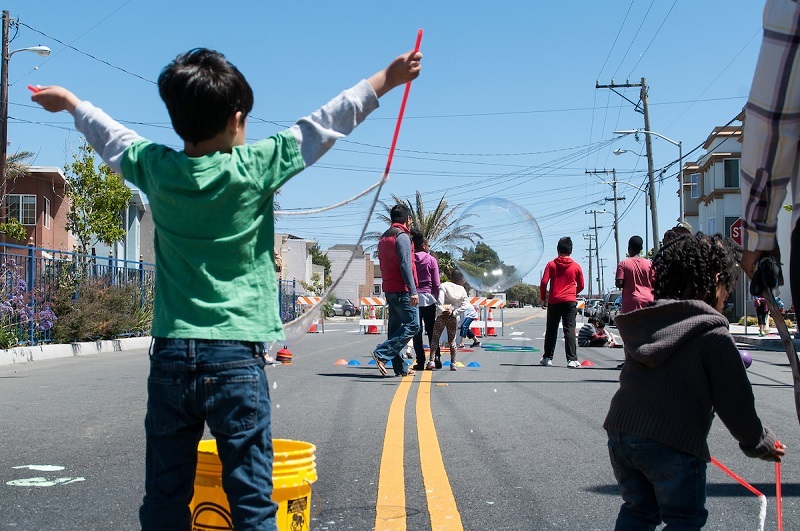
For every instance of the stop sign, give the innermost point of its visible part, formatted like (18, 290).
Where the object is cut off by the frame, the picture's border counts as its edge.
(736, 231)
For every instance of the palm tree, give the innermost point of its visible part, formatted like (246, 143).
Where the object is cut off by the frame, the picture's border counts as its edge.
(17, 164)
(440, 225)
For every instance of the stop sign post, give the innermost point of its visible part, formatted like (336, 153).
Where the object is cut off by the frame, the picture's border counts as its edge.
(736, 231)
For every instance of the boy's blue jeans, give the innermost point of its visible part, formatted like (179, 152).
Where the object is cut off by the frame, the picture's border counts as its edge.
(223, 384)
(658, 483)
(403, 325)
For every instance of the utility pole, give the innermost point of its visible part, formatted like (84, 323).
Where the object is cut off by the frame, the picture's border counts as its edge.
(4, 118)
(597, 246)
(589, 237)
(648, 145)
(613, 184)
(602, 273)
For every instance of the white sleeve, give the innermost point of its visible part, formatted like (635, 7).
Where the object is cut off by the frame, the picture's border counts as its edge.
(317, 132)
(108, 137)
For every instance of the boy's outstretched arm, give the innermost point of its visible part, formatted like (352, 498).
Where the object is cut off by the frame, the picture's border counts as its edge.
(108, 137)
(317, 132)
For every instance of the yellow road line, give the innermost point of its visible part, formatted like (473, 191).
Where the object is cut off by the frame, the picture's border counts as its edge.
(390, 510)
(441, 502)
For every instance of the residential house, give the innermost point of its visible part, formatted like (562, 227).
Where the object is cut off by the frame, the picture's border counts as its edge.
(133, 246)
(38, 200)
(295, 257)
(358, 281)
(713, 202)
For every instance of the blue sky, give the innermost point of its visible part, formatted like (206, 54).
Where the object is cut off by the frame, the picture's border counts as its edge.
(506, 105)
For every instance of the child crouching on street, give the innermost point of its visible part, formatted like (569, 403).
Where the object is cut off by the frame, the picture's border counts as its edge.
(681, 366)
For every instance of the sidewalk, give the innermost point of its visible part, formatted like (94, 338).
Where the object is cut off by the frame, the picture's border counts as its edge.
(771, 341)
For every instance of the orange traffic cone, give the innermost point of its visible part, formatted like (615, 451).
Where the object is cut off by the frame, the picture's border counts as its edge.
(313, 329)
(284, 356)
(475, 328)
(372, 329)
(490, 324)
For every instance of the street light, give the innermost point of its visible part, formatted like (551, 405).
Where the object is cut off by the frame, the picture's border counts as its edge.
(38, 50)
(651, 177)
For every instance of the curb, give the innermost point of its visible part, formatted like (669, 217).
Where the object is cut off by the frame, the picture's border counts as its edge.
(48, 352)
(771, 344)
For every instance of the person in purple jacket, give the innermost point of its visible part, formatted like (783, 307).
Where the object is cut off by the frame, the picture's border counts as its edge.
(428, 290)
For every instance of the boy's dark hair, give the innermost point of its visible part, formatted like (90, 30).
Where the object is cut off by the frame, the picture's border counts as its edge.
(690, 267)
(635, 245)
(418, 239)
(202, 90)
(399, 213)
(564, 245)
(456, 276)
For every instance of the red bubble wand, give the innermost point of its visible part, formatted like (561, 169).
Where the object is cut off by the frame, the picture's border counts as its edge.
(778, 491)
(400, 115)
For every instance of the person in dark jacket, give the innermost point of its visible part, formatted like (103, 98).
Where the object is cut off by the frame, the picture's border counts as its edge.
(681, 367)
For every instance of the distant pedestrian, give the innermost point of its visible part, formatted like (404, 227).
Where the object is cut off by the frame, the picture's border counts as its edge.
(452, 297)
(681, 369)
(634, 278)
(565, 278)
(467, 314)
(396, 256)
(762, 314)
(428, 290)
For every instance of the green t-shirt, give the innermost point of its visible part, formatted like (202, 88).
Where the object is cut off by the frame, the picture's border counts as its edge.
(214, 234)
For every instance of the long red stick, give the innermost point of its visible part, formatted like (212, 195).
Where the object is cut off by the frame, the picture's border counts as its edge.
(778, 493)
(400, 116)
(732, 474)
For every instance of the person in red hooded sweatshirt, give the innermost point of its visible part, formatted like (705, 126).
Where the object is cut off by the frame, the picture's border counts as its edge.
(565, 277)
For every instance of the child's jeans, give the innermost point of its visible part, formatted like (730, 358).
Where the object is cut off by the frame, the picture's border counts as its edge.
(221, 383)
(658, 483)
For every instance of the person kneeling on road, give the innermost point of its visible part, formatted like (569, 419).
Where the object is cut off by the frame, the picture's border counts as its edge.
(594, 334)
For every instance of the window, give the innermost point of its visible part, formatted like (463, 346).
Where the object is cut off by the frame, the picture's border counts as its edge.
(46, 213)
(731, 171)
(22, 207)
(694, 189)
(376, 289)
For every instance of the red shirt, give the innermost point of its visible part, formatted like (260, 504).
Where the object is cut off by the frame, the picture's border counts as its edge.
(636, 274)
(566, 280)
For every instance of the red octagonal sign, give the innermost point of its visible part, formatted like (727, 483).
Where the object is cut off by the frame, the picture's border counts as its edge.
(736, 231)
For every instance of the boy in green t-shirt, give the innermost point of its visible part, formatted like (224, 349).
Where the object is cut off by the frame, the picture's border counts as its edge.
(212, 206)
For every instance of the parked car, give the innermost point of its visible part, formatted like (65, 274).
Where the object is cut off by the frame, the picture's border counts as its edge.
(512, 304)
(608, 302)
(593, 307)
(345, 307)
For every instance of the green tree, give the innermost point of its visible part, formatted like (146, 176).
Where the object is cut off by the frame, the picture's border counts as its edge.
(318, 257)
(524, 293)
(97, 198)
(440, 225)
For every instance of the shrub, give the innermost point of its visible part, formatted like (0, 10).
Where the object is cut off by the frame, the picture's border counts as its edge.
(97, 310)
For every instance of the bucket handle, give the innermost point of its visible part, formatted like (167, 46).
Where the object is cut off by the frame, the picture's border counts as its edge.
(311, 494)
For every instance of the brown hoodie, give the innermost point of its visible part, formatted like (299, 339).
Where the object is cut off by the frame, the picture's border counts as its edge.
(682, 365)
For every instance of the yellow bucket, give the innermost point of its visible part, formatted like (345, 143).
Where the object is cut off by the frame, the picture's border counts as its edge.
(293, 471)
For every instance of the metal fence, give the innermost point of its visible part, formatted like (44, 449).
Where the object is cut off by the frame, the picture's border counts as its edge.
(30, 277)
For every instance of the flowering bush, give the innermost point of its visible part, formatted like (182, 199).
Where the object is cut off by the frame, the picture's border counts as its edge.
(21, 310)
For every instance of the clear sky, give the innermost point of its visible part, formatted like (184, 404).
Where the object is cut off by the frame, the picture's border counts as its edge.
(506, 105)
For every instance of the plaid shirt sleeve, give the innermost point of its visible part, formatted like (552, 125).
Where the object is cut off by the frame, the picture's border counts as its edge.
(772, 127)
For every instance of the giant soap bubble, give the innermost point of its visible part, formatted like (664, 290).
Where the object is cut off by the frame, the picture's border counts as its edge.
(508, 247)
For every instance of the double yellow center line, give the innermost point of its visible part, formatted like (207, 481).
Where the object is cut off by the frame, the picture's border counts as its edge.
(391, 506)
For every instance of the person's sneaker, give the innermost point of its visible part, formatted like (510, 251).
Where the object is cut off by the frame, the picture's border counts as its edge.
(431, 366)
(460, 346)
(411, 372)
(453, 367)
(381, 365)
(574, 364)
(547, 362)
(475, 343)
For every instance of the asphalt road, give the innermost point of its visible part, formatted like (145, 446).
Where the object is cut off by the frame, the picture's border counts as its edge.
(522, 445)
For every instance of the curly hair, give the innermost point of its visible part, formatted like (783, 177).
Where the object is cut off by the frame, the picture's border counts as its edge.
(691, 267)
